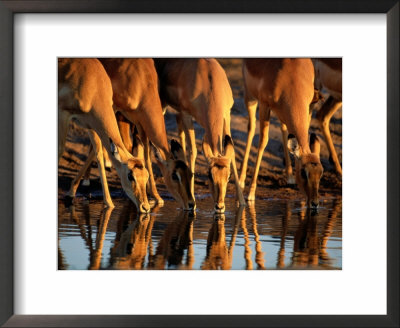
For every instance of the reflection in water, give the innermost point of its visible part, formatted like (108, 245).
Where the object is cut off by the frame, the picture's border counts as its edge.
(218, 254)
(270, 235)
(328, 230)
(285, 219)
(130, 250)
(177, 237)
(259, 254)
(95, 254)
(310, 246)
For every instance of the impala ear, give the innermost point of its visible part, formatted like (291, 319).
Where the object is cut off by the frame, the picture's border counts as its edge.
(315, 146)
(177, 151)
(229, 150)
(157, 154)
(129, 164)
(134, 162)
(208, 154)
(293, 146)
(137, 145)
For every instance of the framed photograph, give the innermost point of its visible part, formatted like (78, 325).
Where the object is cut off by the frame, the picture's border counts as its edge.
(320, 261)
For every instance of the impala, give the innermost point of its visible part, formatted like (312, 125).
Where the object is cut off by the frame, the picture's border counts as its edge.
(85, 93)
(199, 89)
(328, 76)
(285, 86)
(136, 99)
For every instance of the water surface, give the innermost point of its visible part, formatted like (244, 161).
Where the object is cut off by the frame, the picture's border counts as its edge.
(273, 234)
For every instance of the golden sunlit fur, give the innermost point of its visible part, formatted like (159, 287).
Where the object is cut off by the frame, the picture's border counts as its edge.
(135, 87)
(328, 76)
(199, 89)
(179, 175)
(135, 94)
(285, 86)
(85, 93)
(308, 169)
(219, 171)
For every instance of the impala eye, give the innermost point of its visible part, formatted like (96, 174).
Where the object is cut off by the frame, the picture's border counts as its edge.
(175, 176)
(131, 177)
(303, 174)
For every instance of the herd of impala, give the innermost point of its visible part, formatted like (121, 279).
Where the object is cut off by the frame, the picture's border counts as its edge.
(121, 103)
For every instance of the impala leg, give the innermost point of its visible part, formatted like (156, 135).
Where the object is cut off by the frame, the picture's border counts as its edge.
(107, 161)
(189, 130)
(239, 191)
(264, 130)
(251, 128)
(124, 127)
(151, 183)
(289, 171)
(84, 169)
(324, 116)
(181, 132)
(98, 149)
(86, 177)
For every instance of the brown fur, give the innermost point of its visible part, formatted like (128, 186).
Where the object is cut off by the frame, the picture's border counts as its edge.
(135, 87)
(219, 172)
(285, 86)
(85, 93)
(308, 169)
(199, 88)
(328, 76)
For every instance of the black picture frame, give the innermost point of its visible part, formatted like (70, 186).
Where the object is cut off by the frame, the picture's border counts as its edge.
(7, 11)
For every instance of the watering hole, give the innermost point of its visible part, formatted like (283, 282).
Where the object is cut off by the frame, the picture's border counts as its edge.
(272, 234)
(277, 233)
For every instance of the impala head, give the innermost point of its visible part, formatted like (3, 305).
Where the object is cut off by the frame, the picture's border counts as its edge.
(219, 171)
(177, 175)
(308, 169)
(134, 176)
